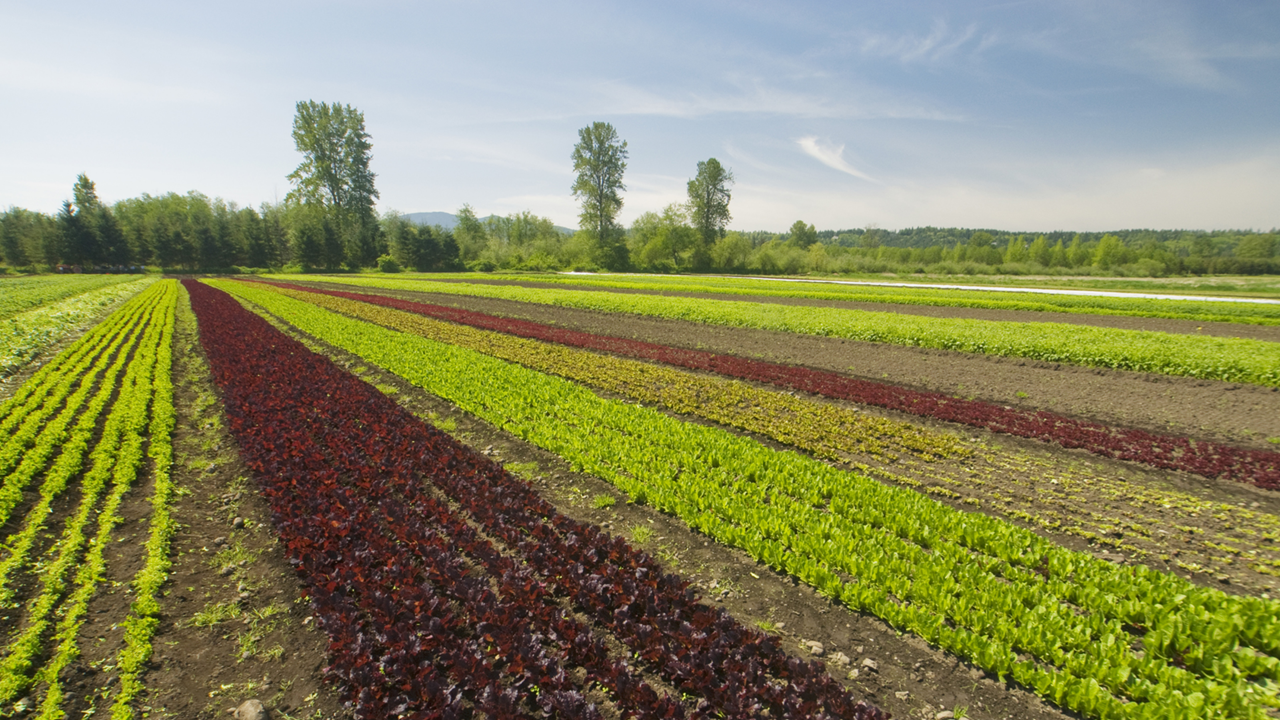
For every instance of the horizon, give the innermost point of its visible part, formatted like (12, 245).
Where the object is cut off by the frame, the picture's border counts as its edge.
(1085, 117)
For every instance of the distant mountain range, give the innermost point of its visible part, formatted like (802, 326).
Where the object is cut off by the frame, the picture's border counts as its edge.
(449, 221)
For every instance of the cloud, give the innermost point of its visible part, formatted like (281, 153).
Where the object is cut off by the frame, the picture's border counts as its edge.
(940, 44)
(832, 157)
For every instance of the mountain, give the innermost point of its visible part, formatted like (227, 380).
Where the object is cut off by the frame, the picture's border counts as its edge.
(449, 221)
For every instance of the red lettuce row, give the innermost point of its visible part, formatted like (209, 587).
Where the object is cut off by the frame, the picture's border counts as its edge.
(1170, 452)
(426, 617)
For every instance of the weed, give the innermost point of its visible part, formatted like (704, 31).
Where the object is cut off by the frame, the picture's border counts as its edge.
(604, 501)
(1020, 394)
(641, 534)
(526, 470)
(213, 614)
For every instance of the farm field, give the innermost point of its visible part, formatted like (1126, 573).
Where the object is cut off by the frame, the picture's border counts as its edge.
(372, 497)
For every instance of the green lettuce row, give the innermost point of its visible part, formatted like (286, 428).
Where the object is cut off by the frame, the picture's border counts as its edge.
(114, 459)
(70, 433)
(129, 461)
(24, 335)
(1213, 358)
(144, 617)
(53, 377)
(26, 293)
(872, 547)
(28, 423)
(1198, 310)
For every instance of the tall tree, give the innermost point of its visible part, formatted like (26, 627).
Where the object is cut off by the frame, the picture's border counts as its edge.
(335, 175)
(709, 207)
(600, 159)
(802, 235)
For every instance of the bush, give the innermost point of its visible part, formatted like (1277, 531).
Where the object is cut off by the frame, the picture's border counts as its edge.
(388, 264)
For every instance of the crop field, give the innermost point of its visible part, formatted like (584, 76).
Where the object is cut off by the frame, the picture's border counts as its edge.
(566, 496)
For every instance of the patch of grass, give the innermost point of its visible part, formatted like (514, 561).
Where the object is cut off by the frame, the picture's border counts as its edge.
(604, 501)
(641, 534)
(216, 613)
(526, 470)
(1020, 394)
(386, 389)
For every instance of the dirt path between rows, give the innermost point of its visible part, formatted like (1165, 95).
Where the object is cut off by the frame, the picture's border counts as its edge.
(1269, 333)
(1244, 415)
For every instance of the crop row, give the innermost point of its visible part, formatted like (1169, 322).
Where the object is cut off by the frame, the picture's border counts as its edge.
(1041, 492)
(392, 571)
(25, 334)
(1198, 310)
(105, 462)
(1216, 460)
(1057, 621)
(1213, 358)
(829, 430)
(26, 293)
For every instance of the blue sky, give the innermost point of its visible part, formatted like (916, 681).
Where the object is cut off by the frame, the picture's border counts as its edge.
(1010, 115)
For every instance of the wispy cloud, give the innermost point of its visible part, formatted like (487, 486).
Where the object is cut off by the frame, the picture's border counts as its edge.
(832, 157)
(942, 43)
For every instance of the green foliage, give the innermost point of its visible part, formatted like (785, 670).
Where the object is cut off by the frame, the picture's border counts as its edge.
(801, 235)
(709, 207)
(388, 264)
(1200, 310)
(334, 175)
(1217, 358)
(600, 159)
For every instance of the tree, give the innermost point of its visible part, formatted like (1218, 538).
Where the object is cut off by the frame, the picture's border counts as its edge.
(600, 159)
(709, 206)
(802, 235)
(334, 175)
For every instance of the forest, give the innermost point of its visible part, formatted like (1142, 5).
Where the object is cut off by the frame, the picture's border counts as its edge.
(194, 232)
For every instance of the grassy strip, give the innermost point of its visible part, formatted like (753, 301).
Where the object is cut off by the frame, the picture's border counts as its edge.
(129, 460)
(828, 430)
(27, 293)
(1228, 359)
(26, 334)
(145, 616)
(1197, 310)
(115, 458)
(1057, 621)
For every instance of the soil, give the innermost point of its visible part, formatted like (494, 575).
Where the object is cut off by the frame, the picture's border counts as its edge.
(1238, 414)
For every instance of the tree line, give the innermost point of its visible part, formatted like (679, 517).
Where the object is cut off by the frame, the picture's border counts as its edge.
(327, 222)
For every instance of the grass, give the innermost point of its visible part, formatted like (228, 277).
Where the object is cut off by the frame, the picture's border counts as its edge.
(604, 501)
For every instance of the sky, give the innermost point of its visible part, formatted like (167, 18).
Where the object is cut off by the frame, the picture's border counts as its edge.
(1021, 116)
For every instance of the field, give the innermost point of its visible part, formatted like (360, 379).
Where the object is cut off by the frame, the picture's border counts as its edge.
(427, 496)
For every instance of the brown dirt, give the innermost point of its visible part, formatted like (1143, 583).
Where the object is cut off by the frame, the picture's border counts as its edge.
(1243, 415)
(913, 680)
(1269, 333)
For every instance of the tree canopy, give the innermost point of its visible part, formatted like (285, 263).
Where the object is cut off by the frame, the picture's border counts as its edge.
(334, 175)
(709, 204)
(600, 159)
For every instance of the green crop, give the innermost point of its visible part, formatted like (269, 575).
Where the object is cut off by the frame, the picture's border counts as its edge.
(1216, 358)
(1198, 310)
